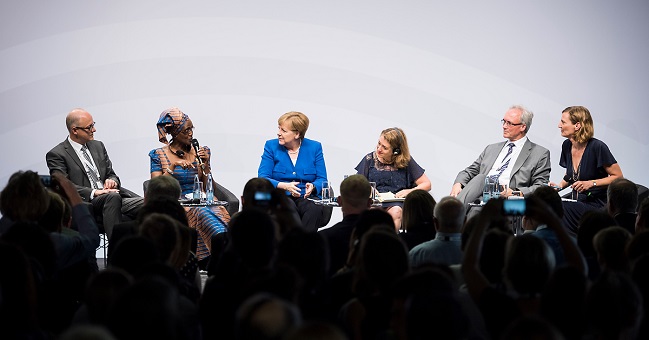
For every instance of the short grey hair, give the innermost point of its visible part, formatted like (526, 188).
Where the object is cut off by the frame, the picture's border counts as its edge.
(163, 186)
(526, 116)
(450, 213)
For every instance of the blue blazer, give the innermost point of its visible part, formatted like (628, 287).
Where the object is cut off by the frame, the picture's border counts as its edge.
(276, 165)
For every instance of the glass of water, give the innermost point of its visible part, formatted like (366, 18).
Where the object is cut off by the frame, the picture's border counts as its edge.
(373, 191)
(326, 192)
(490, 189)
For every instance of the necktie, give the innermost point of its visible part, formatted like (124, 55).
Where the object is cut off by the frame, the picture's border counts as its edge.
(505, 162)
(92, 172)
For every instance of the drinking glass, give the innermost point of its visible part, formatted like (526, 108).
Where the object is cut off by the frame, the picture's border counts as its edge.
(490, 189)
(326, 192)
(373, 192)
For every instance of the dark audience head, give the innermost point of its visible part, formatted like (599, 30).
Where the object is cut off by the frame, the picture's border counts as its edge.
(610, 245)
(439, 316)
(467, 229)
(426, 305)
(591, 223)
(164, 231)
(18, 292)
(355, 193)
(492, 258)
(253, 186)
(450, 215)
(563, 301)
(89, 331)
(264, 316)
(640, 275)
(133, 254)
(529, 261)
(101, 291)
(24, 198)
(551, 197)
(418, 211)
(254, 237)
(642, 221)
(638, 246)
(430, 279)
(307, 253)
(531, 327)
(148, 309)
(162, 186)
(274, 202)
(36, 243)
(367, 220)
(52, 219)
(622, 197)
(316, 330)
(381, 261)
(370, 218)
(164, 205)
(613, 307)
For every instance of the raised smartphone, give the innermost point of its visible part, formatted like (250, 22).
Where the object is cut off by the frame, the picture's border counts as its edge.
(514, 207)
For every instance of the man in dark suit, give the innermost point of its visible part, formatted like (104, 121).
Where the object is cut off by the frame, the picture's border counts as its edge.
(518, 162)
(354, 198)
(84, 161)
(622, 201)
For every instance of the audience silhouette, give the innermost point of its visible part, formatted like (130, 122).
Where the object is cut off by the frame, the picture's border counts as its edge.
(269, 279)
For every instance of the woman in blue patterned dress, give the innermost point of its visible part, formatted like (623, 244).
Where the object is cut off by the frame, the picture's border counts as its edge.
(177, 158)
(393, 170)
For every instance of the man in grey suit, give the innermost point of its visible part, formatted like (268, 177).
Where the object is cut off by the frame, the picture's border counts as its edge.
(518, 162)
(84, 161)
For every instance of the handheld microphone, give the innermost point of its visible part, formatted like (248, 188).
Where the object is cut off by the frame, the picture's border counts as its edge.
(196, 148)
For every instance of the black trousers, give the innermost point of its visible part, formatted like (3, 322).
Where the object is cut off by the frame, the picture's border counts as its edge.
(310, 213)
(112, 206)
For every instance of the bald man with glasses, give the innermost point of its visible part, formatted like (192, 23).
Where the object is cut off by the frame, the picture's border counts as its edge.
(518, 162)
(85, 161)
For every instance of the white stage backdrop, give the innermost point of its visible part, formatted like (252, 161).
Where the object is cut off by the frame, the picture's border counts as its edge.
(445, 72)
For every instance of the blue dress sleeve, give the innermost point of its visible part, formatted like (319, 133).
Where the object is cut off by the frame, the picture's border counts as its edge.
(363, 167)
(155, 161)
(603, 155)
(414, 171)
(566, 160)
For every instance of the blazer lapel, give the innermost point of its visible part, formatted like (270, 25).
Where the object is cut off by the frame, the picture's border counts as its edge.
(522, 157)
(73, 154)
(491, 157)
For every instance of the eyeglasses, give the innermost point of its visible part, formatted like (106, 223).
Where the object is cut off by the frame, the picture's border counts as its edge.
(508, 123)
(187, 131)
(285, 131)
(87, 128)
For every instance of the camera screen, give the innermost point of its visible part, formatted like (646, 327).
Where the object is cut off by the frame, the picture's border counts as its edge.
(514, 207)
(262, 197)
(46, 180)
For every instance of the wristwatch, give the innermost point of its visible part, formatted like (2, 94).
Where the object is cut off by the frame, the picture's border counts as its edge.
(594, 183)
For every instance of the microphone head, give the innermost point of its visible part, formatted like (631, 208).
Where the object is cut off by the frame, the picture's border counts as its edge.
(195, 142)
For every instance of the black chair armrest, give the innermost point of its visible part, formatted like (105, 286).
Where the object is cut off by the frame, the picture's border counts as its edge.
(223, 194)
(145, 185)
